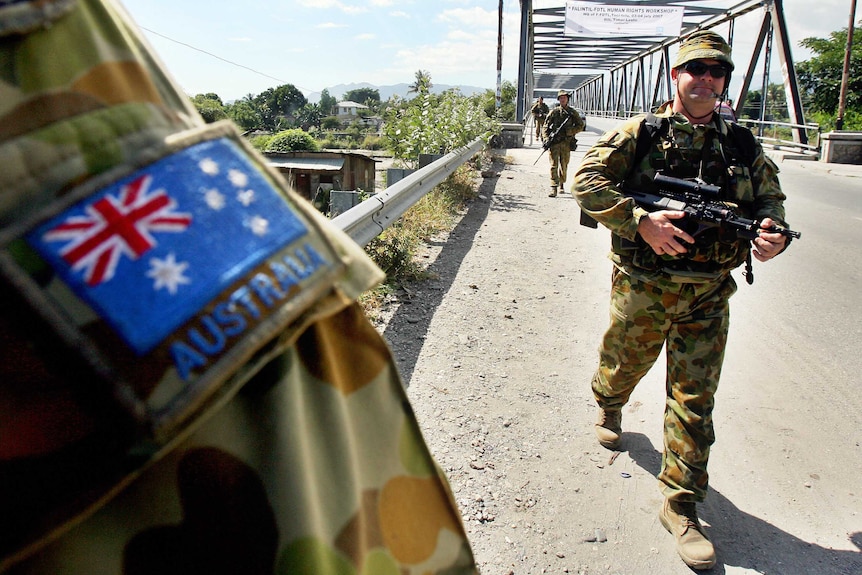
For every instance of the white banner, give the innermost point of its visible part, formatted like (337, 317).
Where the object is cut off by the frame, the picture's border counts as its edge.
(602, 20)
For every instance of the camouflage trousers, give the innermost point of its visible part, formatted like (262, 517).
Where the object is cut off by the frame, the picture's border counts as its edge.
(691, 320)
(559, 154)
(540, 122)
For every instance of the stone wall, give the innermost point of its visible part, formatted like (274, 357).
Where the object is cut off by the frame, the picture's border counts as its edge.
(841, 147)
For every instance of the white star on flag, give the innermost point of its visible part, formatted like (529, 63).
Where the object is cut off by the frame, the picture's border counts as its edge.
(168, 273)
(208, 166)
(237, 178)
(245, 197)
(259, 226)
(214, 199)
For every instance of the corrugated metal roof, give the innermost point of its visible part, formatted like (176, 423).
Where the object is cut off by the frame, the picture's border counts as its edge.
(308, 164)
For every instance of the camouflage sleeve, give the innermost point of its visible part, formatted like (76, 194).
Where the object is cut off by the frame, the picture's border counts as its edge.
(578, 124)
(598, 178)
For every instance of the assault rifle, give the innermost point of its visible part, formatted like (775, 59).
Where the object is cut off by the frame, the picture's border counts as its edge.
(702, 207)
(554, 137)
(694, 198)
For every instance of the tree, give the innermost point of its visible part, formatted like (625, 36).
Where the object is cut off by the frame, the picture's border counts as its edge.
(422, 85)
(245, 114)
(327, 102)
(820, 76)
(509, 93)
(776, 104)
(292, 141)
(210, 107)
(213, 96)
(435, 124)
(363, 95)
(330, 123)
(277, 106)
(309, 115)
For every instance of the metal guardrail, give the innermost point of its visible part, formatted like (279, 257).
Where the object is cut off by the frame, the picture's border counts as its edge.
(760, 129)
(757, 127)
(365, 221)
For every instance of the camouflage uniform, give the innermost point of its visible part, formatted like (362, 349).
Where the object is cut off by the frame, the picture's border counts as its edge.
(540, 112)
(560, 151)
(680, 301)
(189, 385)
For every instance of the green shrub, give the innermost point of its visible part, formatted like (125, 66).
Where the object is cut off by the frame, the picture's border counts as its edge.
(292, 141)
(330, 123)
(260, 143)
(852, 120)
(372, 142)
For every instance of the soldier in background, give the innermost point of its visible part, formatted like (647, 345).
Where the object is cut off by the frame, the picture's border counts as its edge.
(539, 111)
(559, 135)
(188, 384)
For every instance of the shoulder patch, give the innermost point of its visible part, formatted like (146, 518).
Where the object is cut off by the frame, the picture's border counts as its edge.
(152, 249)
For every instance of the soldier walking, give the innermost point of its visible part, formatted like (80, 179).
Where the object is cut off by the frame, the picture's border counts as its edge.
(671, 287)
(559, 132)
(540, 112)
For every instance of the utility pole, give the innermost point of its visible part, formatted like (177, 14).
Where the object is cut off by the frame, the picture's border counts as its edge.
(842, 97)
(498, 102)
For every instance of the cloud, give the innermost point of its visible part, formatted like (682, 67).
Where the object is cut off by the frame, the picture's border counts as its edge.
(353, 9)
(466, 53)
(469, 16)
(329, 4)
(366, 36)
(399, 14)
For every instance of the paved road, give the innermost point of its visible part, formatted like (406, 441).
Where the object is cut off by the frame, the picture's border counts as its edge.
(498, 377)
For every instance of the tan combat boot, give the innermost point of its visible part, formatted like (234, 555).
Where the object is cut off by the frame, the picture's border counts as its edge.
(553, 193)
(692, 544)
(609, 427)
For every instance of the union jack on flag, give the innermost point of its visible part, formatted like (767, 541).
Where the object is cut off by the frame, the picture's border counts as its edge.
(113, 227)
(150, 251)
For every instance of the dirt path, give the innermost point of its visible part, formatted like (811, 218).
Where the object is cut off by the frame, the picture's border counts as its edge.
(497, 353)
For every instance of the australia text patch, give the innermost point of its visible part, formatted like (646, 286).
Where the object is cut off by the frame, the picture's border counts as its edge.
(150, 251)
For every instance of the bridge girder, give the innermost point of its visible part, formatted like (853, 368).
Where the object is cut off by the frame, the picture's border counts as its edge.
(626, 75)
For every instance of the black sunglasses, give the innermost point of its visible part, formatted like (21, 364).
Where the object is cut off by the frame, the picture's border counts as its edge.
(697, 68)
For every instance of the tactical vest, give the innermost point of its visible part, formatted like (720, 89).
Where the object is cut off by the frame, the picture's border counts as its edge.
(725, 161)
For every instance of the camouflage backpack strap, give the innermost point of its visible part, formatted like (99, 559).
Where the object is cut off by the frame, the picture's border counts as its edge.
(744, 145)
(650, 130)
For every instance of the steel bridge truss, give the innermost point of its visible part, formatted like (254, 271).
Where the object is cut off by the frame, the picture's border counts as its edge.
(621, 76)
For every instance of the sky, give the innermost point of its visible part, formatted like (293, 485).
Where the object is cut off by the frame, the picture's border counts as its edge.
(238, 48)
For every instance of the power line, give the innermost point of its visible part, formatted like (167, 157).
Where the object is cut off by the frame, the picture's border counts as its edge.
(219, 57)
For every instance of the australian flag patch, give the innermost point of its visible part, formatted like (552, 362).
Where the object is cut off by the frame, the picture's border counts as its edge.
(151, 250)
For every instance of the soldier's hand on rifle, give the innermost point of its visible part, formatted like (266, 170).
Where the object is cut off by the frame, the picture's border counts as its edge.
(767, 245)
(658, 230)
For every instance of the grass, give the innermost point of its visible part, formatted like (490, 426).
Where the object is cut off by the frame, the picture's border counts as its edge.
(395, 249)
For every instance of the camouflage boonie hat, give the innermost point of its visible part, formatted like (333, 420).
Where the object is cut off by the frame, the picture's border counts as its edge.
(703, 45)
(562, 93)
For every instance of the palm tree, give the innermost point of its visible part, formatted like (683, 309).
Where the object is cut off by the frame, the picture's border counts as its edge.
(422, 84)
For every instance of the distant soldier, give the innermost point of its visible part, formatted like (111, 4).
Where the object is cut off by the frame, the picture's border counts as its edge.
(559, 134)
(540, 112)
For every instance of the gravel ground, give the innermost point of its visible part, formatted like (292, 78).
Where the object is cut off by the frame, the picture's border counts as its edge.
(497, 351)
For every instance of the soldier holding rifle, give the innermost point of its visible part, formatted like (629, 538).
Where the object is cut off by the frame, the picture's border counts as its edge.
(672, 281)
(540, 112)
(560, 128)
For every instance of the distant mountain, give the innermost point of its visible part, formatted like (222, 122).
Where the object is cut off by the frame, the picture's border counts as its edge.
(387, 91)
